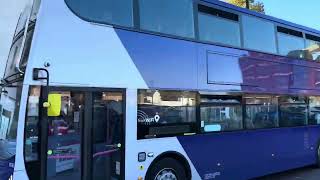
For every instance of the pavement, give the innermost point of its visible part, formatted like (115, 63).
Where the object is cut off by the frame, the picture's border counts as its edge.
(307, 173)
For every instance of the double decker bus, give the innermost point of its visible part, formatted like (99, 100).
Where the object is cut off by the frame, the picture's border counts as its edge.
(157, 90)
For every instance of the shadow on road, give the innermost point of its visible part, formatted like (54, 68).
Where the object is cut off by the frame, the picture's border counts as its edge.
(307, 173)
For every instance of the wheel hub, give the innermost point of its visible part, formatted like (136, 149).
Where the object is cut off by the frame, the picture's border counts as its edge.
(166, 174)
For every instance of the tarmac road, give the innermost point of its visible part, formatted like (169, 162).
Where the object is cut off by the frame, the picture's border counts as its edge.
(307, 173)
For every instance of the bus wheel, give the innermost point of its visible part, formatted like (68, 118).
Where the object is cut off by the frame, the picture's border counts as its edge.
(167, 169)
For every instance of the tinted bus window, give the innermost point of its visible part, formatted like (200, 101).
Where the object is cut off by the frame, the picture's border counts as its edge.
(220, 114)
(107, 125)
(119, 12)
(219, 30)
(293, 111)
(314, 110)
(64, 158)
(32, 123)
(261, 112)
(10, 99)
(313, 50)
(258, 34)
(167, 16)
(165, 113)
(291, 43)
(13, 56)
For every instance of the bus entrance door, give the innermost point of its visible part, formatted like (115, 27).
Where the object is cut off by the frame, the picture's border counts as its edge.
(85, 141)
(107, 135)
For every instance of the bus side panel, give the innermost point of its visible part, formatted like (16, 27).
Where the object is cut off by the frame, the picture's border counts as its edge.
(314, 140)
(204, 67)
(6, 169)
(163, 62)
(134, 168)
(243, 155)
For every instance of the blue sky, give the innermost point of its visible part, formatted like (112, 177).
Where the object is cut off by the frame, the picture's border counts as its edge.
(304, 12)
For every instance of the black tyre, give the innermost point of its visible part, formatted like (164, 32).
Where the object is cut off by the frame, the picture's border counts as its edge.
(167, 169)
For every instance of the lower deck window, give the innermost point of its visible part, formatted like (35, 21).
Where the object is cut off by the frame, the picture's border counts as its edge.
(171, 113)
(165, 113)
(221, 114)
(314, 110)
(261, 112)
(293, 111)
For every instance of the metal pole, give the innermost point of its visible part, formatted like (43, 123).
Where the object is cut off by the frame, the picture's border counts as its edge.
(247, 4)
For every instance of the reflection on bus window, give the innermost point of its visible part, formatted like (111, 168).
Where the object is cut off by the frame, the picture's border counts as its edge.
(258, 34)
(31, 130)
(64, 138)
(220, 114)
(313, 50)
(291, 43)
(26, 50)
(165, 112)
(219, 26)
(314, 110)
(107, 125)
(261, 112)
(293, 111)
(10, 103)
(13, 56)
(167, 16)
(119, 12)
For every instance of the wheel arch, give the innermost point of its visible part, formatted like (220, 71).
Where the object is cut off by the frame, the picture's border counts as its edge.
(174, 155)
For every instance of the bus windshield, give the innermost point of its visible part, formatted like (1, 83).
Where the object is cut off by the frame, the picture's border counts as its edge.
(14, 54)
(9, 112)
(20, 48)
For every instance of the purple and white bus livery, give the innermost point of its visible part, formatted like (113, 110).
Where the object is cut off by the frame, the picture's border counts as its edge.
(162, 89)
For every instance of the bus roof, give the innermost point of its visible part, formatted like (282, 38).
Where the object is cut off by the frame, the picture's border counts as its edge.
(263, 16)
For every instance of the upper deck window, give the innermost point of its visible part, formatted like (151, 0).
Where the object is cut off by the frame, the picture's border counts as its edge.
(118, 12)
(313, 47)
(167, 16)
(258, 34)
(291, 43)
(218, 26)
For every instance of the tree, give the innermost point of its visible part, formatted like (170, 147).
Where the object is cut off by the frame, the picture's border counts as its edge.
(255, 6)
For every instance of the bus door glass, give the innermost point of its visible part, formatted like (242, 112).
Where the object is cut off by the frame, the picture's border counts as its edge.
(64, 138)
(88, 123)
(107, 135)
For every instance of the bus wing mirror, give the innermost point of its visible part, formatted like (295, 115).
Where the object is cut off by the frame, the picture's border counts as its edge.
(53, 105)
